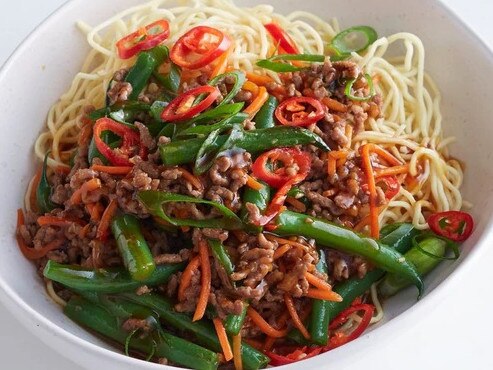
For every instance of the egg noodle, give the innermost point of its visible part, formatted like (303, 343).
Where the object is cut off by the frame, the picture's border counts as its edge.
(410, 126)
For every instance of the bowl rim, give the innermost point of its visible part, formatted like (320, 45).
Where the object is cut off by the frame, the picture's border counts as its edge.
(9, 298)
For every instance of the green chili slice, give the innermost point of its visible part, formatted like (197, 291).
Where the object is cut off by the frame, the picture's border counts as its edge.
(349, 87)
(154, 201)
(354, 39)
(239, 81)
(277, 63)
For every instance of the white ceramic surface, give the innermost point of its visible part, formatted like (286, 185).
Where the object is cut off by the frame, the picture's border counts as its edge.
(456, 59)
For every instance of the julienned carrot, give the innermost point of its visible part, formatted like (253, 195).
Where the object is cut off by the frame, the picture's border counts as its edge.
(86, 187)
(57, 221)
(253, 184)
(392, 171)
(299, 205)
(259, 80)
(205, 279)
(222, 62)
(223, 338)
(186, 277)
(112, 170)
(281, 251)
(382, 153)
(325, 295)
(294, 316)
(257, 103)
(317, 282)
(104, 224)
(252, 87)
(192, 179)
(367, 167)
(237, 352)
(31, 253)
(331, 166)
(334, 105)
(264, 326)
(285, 241)
(95, 210)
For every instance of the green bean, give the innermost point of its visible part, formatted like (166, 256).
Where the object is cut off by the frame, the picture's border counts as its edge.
(202, 330)
(175, 349)
(234, 323)
(255, 141)
(435, 247)
(133, 248)
(265, 116)
(319, 319)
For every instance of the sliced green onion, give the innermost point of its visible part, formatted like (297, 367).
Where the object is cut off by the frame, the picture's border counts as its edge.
(448, 244)
(218, 113)
(277, 62)
(43, 191)
(171, 80)
(349, 87)
(154, 201)
(221, 254)
(207, 129)
(239, 77)
(354, 39)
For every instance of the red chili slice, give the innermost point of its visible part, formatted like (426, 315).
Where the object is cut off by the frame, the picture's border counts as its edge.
(454, 225)
(338, 338)
(297, 355)
(282, 39)
(199, 47)
(280, 176)
(130, 142)
(389, 184)
(143, 39)
(299, 111)
(182, 107)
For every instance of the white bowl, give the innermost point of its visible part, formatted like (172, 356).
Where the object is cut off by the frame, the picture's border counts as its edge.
(42, 68)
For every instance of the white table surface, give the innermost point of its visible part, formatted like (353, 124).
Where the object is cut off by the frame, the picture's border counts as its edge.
(460, 335)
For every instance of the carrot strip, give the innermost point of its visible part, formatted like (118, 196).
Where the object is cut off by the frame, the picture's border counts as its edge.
(260, 80)
(268, 344)
(237, 352)
(194, 180)
(257, 103)
(57, 221)
(264, 326)
(391, 171)
(299, 205)
(186, 277)
(365, 155)
(285, 241)
(86, 187)
(317, 282)
(324, 295)
(253, 184)
(334, 105)
(33, 201)
(382, 153)
(250, 86)
(223, 338)
(205, 279)
(95, 211)
(112, 170)
(32, 253)
(104, 224)
(331, 166)
(294, 316)
(281, 251)
(222, 62)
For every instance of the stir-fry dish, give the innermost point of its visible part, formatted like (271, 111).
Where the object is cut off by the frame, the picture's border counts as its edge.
(229, 187)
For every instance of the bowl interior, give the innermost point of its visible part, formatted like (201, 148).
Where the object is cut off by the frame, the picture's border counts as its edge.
(31, 84)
